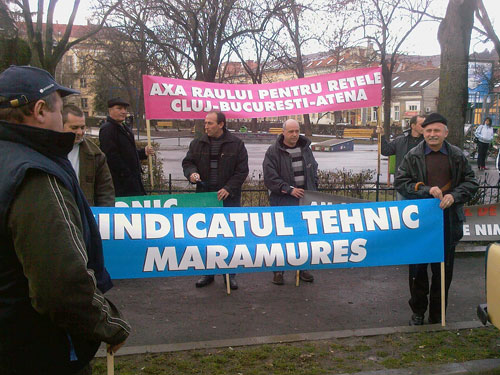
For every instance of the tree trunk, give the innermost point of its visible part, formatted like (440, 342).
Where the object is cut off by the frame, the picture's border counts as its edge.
(454, 37)
(307, 125)
(387, 77)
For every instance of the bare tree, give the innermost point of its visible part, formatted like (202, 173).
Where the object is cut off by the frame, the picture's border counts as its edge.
(387, 24)
(489, 32)
(298, 35)
(46, 50)
(454, 37)
(13, 49)
(339, 40)
(200, 30)
(262, 46)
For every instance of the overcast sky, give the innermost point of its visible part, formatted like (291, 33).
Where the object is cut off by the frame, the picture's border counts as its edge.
(423, 41)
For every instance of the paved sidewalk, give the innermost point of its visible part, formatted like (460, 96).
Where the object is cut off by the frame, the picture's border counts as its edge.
(166, 311)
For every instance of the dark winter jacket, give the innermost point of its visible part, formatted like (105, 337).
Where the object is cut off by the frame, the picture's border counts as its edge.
(117, 142)
(399, 147)
(278, 172)
(463, 181)
(232, 169)
(52, 314)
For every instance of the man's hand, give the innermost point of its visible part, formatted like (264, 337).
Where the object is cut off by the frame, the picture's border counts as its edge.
(447, 201)
(297, 193)
(112, 349)
(194, 178)
(149, 150)
(222, 194)
(436, 192)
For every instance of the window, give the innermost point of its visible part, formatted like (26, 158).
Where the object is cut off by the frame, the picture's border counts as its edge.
(84, 102)
(83, 83)
(413, 108)
(374, 114)
(396, 113)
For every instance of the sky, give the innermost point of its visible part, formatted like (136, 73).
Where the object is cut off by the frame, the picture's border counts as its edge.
(423, 40)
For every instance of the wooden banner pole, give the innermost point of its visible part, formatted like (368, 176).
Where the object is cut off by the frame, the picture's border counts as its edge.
(379, 140)
(297, 278)
(228, 287)
(150, 157)
(110, 361)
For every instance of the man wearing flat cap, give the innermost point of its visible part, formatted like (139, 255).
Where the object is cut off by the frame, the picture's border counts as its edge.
(124, 159)
(436, 169)
(53, 315)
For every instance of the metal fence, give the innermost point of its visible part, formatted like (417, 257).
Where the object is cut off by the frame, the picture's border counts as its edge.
(256, 195)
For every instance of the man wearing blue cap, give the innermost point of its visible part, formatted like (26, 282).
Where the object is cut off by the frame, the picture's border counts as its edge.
(436, 169)
(53, 315)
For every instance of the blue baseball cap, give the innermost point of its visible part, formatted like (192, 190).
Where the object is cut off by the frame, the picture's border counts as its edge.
(21, 85)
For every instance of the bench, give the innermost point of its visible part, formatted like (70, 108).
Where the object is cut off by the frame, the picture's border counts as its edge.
(167, 124)
(359, 134)
(275, 130)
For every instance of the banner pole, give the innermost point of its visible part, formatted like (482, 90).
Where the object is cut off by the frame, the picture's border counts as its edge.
(297, 278)
(443, 297)
(110, 361)
(150, 157)
(379, 140)
(228, 287)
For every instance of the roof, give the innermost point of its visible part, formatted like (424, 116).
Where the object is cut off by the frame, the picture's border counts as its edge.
(413, 81)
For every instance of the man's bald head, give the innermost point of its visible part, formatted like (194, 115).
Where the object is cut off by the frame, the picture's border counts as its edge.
(291, 132)
(290, 122)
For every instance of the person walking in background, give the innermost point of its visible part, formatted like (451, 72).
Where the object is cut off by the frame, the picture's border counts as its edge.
(484, 134)
(124, 159)
(290, 168)
(218, 161)
(88, 161)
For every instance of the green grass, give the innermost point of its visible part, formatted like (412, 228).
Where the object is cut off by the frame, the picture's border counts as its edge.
(347, 355)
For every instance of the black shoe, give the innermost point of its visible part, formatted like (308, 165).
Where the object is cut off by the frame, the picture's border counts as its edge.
(434, 320)
(278, 278)
(306, 276)
(233, 285)
(204, 281)
(417, 320)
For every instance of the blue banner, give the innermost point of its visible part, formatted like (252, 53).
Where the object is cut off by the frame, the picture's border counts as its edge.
(149, 242)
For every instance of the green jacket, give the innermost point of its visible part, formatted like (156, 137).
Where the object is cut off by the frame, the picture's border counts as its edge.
(95, 178)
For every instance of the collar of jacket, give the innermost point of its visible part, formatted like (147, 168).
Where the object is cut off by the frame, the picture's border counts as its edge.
(301, 142)
(113, 121)
(45, 141)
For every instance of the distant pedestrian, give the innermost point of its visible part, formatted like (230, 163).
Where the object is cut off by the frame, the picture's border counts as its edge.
(484, 134)
(436, 169)
(290, 168)
(218, 161)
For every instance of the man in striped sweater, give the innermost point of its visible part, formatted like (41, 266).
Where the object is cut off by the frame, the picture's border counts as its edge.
(289, 169)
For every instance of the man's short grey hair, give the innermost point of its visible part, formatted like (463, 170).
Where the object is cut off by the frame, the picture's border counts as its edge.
(289, 121)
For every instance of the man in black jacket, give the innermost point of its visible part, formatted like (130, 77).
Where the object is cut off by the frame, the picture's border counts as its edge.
(117, 142)
(218, 161)
(404, 143)
(53, 315)
(289, 169)
(436, 169)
